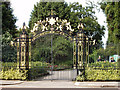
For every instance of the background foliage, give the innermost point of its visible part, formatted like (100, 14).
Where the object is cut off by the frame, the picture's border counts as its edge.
(9, 32)
(61, 49)
(112, 11)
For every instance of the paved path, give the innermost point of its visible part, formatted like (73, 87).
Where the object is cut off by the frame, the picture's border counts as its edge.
(42, 84)
(10, 82)
(62, 84)
(60, 75)
(98, 84)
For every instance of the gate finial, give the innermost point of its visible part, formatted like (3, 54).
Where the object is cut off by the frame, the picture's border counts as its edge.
(24, 25)
(51, 11)
(23, 29)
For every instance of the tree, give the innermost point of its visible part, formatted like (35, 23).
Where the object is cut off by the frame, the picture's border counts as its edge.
(8, 19)
(61, 49)
(74, 13)
(8, 32)
(43, 10)
(110, 50)
(86, 15)
(112, 11)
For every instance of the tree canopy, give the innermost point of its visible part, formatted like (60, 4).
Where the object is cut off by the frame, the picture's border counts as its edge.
(112, 11)
(74, 13)
(8, 19)
(8, 32)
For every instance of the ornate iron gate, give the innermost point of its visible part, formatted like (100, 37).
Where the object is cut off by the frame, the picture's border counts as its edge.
(53, 25)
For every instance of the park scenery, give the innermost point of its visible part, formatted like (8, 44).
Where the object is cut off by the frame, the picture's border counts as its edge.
(61, 42)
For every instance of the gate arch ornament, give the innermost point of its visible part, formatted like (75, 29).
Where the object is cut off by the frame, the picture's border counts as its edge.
(54, 25)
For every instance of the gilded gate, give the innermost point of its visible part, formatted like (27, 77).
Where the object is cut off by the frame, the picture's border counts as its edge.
(54, 25)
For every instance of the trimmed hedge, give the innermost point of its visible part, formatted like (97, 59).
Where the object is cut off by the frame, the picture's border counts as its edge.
(13, 74)
(104, 64)
(102, 71)
(9, 71)
(35, 72)
(100, 75)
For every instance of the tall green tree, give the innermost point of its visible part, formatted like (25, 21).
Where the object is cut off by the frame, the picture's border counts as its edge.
(86, 15)
(8, 19)
(112, 11)
(8, 32)
(43, 10)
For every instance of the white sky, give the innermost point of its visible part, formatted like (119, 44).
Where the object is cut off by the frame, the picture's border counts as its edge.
(23, 8)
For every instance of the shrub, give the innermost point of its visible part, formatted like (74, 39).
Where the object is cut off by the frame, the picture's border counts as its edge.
(103, 64)
(101, 72)
(118, 62)
(13, 74)
(35, 72)
(104, 75)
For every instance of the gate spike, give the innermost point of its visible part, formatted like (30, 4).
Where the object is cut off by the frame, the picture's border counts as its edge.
(24, 25)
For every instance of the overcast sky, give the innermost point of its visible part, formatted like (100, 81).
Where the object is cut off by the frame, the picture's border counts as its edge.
(23, 8)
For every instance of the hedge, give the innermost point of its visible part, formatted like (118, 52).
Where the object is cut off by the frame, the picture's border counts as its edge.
(92, 74)
(13, 74)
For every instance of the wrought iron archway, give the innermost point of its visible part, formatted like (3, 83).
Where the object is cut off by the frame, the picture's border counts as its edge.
(53, 25)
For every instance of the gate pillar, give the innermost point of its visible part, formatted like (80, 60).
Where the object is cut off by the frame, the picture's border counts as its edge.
(23, 50)
(82, 50)
(75, 54)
